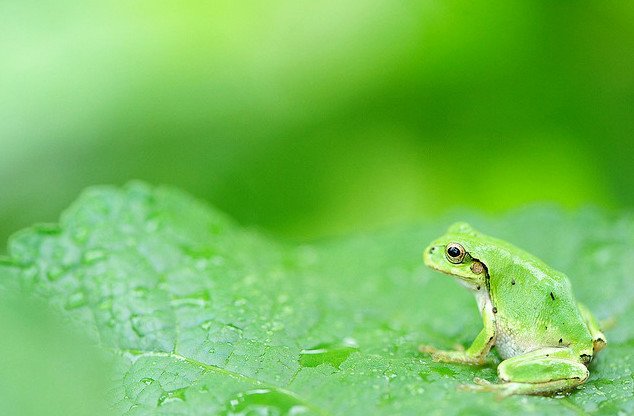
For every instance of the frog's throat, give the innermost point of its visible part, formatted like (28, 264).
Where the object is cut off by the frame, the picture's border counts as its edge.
(474, 282)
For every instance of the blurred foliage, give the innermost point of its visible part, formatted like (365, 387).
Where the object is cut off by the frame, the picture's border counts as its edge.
(310, 119)
(47, 368)
(206, 318)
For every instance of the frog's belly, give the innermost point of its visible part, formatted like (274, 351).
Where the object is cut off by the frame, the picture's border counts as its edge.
(510, 343)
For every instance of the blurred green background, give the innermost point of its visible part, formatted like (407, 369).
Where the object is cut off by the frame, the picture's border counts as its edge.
(49, 367)
(310, 119)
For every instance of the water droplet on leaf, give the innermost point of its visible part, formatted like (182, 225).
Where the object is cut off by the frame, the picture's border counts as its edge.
(334, 354)
(172, 396)
(92, 256)
(146, 380)
(55, 273)
(265, 402)
(80, 234)
(76, 300)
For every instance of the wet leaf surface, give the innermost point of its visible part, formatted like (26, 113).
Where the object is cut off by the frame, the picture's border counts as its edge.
(204, 317)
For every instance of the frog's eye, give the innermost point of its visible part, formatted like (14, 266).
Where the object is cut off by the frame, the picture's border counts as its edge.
(455, 253)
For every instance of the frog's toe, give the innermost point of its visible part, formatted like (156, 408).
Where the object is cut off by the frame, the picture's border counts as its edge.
(481, 382)
(458, 347)
(474, 387)
(446, 357)
(440, 357)
(427, 349)
(501, 390)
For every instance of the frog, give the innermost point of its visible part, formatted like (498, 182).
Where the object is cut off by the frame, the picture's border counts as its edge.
(544, 337)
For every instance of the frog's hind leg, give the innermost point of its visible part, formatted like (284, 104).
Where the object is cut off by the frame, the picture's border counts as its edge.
(543, 372)
(598, 339)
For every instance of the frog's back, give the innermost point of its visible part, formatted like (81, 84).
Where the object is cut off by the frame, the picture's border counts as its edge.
(535, 306)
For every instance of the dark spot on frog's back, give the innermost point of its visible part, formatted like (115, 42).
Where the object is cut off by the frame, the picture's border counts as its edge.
(552, 296)
(512, 281)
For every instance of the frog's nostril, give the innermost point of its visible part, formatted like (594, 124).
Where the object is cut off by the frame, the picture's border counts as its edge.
(431, 250)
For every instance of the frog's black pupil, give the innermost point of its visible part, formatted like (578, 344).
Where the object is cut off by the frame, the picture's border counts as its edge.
(453, 251)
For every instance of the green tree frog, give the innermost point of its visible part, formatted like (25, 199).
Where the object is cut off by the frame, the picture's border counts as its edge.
(544, 336)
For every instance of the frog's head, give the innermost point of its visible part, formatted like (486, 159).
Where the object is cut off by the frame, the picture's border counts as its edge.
(453, 254)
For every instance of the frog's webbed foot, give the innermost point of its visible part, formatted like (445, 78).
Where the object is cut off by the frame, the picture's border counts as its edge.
(501, 390)
(459, 356)
(427, 349)
(475, 355)
(481, 382)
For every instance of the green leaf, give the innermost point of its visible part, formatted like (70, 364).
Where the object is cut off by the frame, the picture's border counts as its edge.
(204, 317)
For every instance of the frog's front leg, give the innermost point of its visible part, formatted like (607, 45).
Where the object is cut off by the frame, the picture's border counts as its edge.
(478, 350)
(544, 371)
